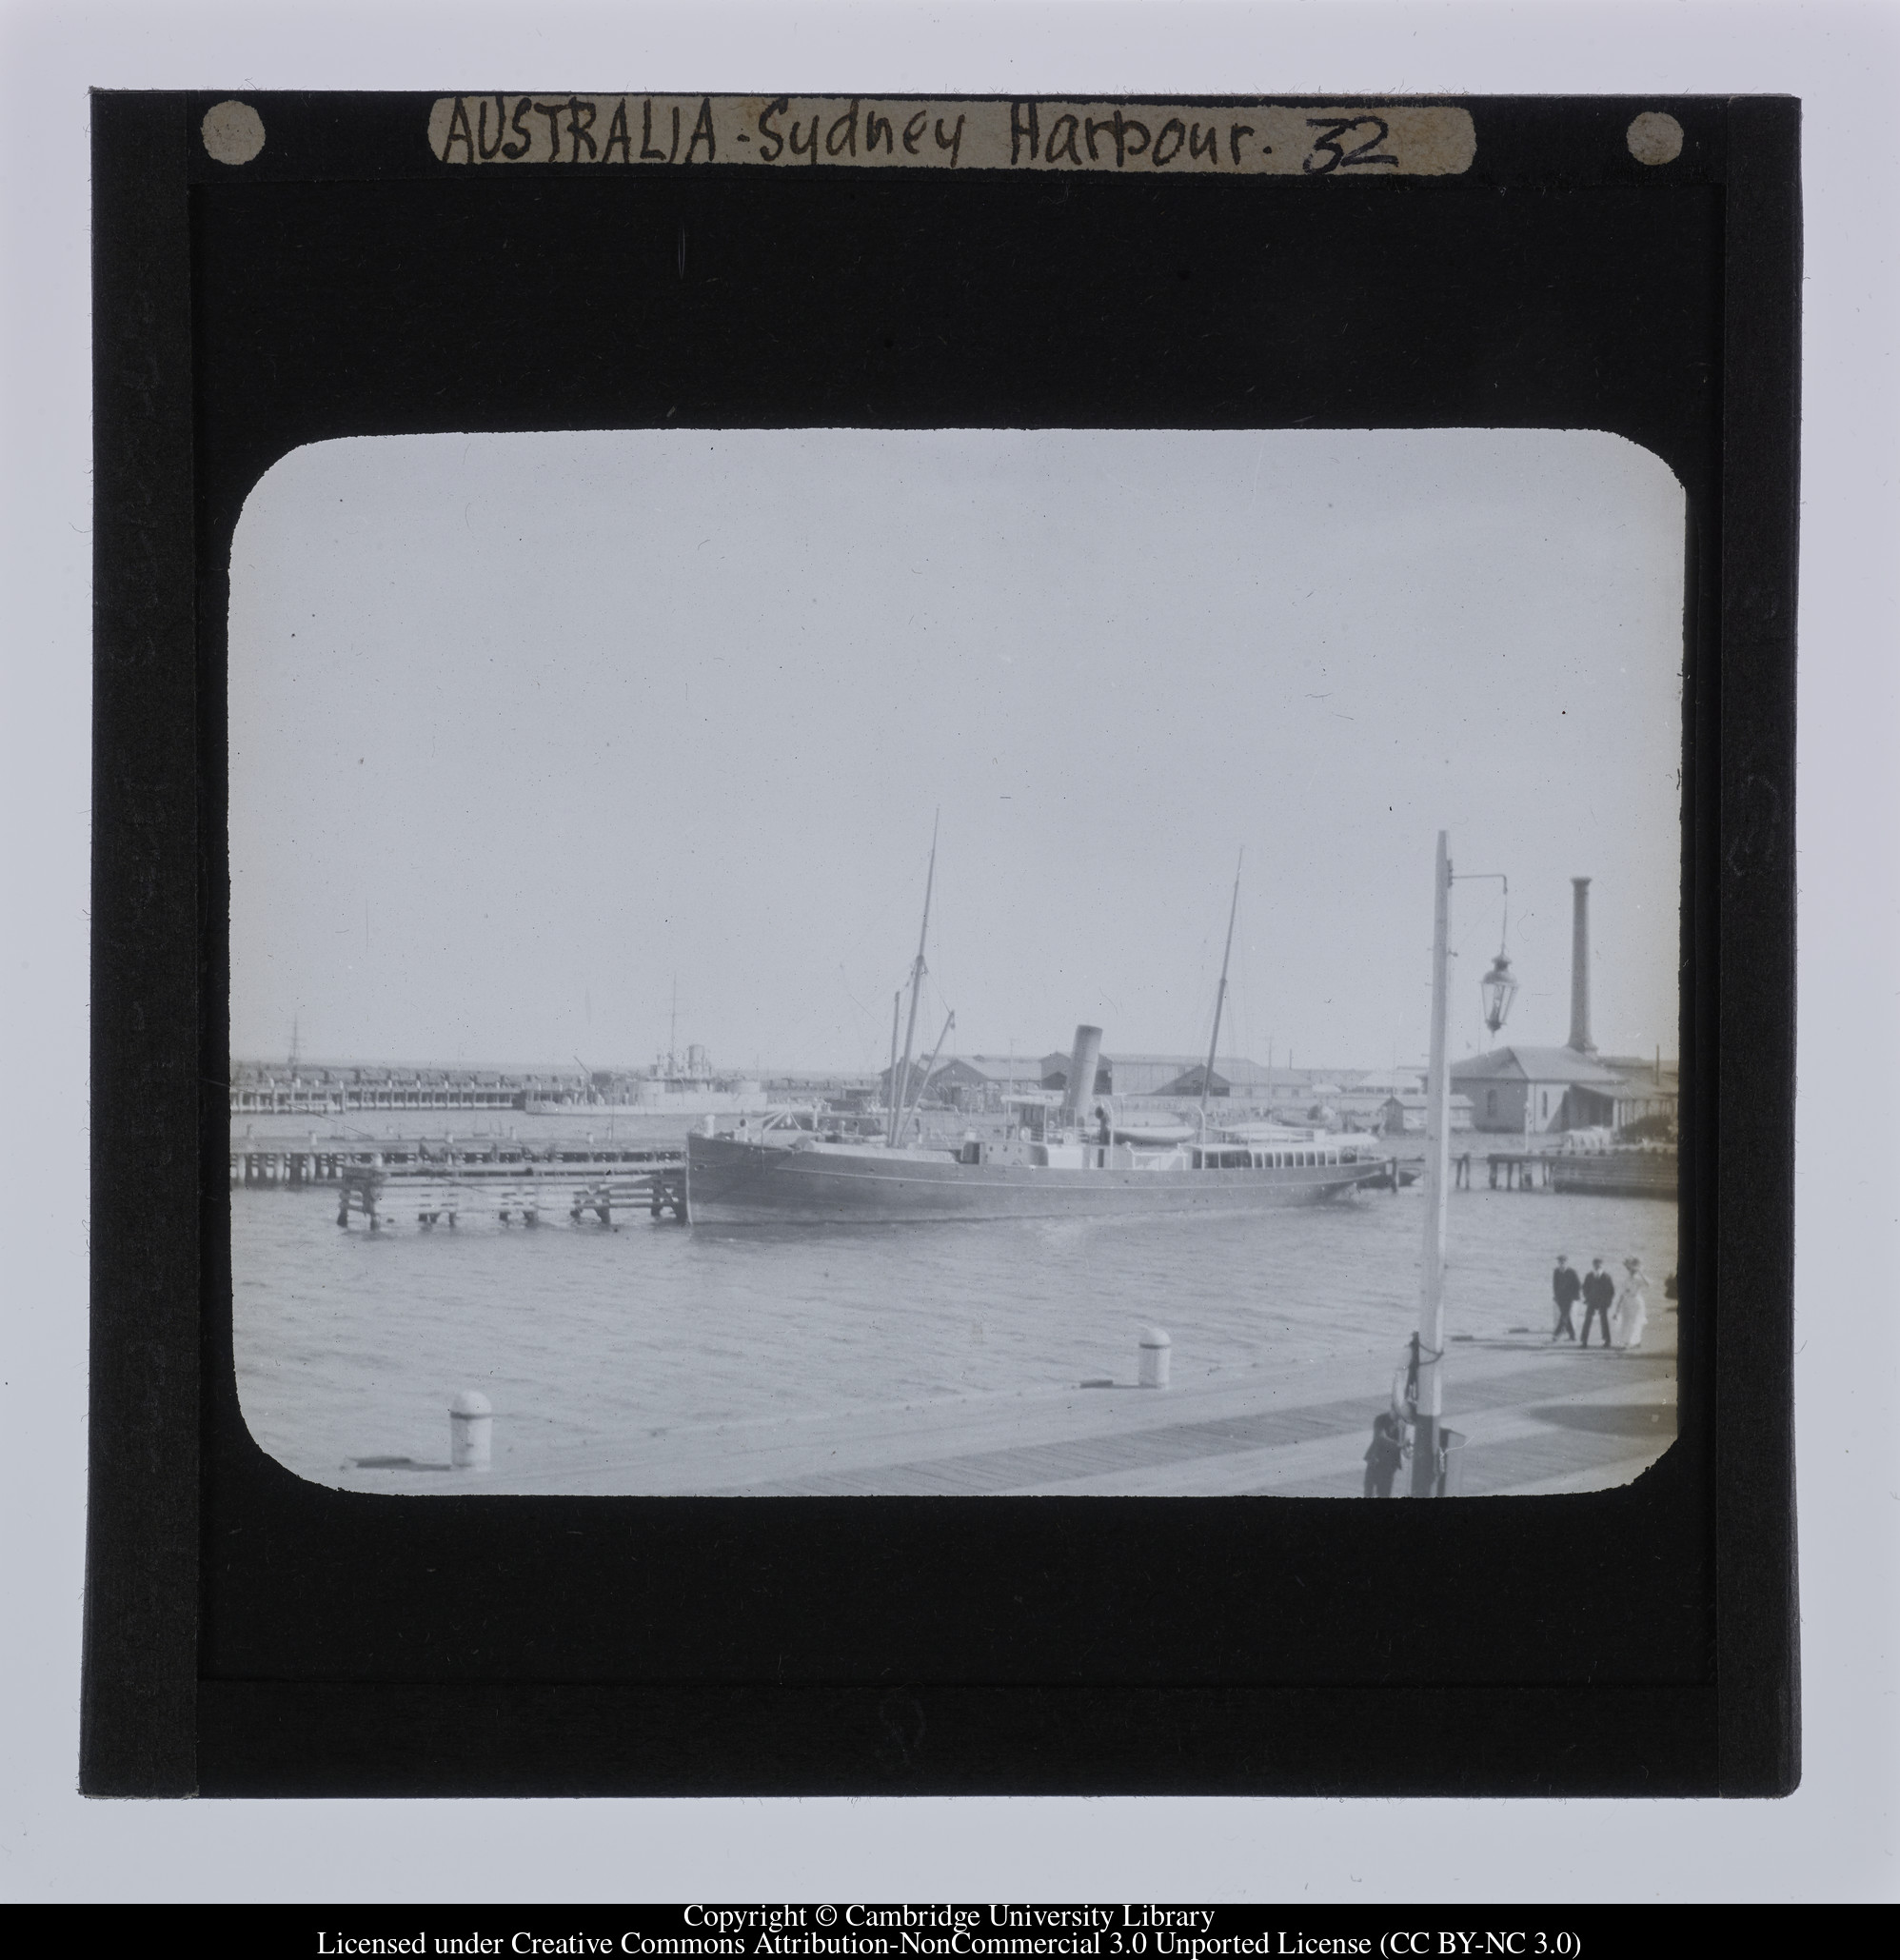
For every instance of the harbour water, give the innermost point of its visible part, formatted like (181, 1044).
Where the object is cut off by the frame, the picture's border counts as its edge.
(349, 1345)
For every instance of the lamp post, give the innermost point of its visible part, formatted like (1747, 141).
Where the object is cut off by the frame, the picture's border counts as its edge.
(1497, 990)
(1429, 1404)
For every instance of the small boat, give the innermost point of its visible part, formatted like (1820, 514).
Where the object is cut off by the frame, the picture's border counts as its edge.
(1058, 1163)
(1152, 1136)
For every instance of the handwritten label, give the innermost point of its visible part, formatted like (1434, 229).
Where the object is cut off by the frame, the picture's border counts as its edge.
(958, 133)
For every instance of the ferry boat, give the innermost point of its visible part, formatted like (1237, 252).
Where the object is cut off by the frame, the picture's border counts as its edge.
(1067, 1161)
(689, 1091)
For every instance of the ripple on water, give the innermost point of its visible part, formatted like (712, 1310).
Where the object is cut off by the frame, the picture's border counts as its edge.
(349, 1345)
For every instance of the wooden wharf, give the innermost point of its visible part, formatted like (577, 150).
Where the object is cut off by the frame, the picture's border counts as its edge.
(322, 1096)
(437, 1185)
(1538, 1419)
(1617, 1173)
(1519, 1170)
(510, 1190)
(1604, 1174)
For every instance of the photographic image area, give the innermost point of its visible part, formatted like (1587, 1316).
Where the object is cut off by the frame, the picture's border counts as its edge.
(973, 962)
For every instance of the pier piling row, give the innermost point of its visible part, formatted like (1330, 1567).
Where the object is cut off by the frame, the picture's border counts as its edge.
(1610, 1174)
(442, 1187)
(511, 1186)
(511, 1191)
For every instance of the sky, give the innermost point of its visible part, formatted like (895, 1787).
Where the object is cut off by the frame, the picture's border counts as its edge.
(527, 730)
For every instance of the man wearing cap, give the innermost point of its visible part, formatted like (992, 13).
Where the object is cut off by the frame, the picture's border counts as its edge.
(1599, 1294)
(1565, 1287)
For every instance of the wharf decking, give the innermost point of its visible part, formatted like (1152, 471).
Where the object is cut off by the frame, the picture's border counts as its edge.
(1538, 1419)
(1618, 1174)
(1517, 1170)
(315, 1099)
(1603, 1174)
(431, 1184)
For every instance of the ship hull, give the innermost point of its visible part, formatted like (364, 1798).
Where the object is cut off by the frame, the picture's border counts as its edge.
(734, 1183)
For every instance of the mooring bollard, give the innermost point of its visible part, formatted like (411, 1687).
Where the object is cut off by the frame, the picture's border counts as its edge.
(471, 1426)
(1155, 1347)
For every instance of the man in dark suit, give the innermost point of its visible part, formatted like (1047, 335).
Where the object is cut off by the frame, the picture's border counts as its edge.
(1600, 1296)
(1385, 1455)
(1565, 1287)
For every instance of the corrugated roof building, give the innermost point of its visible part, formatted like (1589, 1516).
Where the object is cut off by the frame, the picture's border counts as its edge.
(974, 1081)
(1408, 1113)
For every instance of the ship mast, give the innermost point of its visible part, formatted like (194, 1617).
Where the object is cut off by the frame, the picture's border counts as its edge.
(1221, 993)
(900, 1086)
(897, 1015)
(924, 1077)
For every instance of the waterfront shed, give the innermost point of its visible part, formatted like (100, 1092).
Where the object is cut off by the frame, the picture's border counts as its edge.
(1537, 1091)
(1054, 1075)
(975, 1082)
(1406, 1114)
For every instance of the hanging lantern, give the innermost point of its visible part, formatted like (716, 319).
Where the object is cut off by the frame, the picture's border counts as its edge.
(1499, 988)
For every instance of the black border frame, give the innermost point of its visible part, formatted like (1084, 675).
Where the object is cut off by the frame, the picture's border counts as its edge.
(156, 1721)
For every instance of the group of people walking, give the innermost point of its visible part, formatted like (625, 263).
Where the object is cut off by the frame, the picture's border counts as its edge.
(1623, 1311)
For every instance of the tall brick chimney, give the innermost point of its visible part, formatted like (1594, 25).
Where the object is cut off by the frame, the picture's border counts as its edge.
(1579, 968)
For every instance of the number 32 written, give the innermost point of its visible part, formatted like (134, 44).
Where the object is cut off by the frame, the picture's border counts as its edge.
(1327, 146)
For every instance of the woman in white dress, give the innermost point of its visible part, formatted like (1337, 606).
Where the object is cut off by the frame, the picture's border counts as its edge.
(1633, 1306)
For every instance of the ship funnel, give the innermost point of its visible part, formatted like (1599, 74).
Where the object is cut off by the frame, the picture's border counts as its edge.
(1082, 1065)
(1579, 968)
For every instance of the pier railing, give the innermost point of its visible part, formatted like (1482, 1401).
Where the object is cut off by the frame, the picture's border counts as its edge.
(319, 1099)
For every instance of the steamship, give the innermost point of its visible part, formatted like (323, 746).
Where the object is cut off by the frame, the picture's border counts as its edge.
(1058, 1164)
